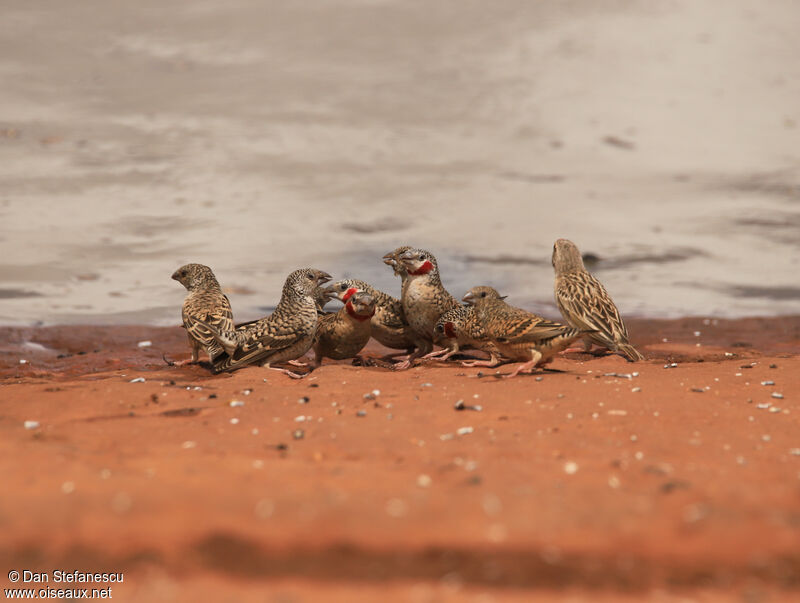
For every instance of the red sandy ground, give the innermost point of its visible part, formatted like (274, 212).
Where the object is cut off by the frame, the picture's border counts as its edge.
(684, 489)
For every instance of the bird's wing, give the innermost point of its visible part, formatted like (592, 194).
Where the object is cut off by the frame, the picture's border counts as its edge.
(585, 303)
(199, 317)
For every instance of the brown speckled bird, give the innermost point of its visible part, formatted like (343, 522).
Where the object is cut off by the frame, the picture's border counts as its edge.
(388, 325)
(284, 335)
(460, 328)
(585, 304)
(205, 302)
(344, 334)
(424, 298)
(520, 335)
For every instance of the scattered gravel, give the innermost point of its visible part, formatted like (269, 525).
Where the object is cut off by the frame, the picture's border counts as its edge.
(31, 424)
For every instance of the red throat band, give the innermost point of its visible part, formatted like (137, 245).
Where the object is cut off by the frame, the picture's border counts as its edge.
(449, 330)
(349, 293)
(360, 317)
(424, 269)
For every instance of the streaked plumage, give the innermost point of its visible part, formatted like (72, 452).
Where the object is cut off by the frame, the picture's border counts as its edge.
(518, 334)
(205, 302)
(424, 298)
(459, 329)
(284, 335)
(585, 304)
(388, 325)
(344, 334)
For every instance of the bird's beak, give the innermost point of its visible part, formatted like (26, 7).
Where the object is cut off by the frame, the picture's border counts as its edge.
(407, 255)
(323, 277)
(175, 275)
(503, 296)
(389, 259)
(468, 298)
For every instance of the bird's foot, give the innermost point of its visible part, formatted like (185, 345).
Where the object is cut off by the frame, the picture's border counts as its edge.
(289, 373)
(489, 363)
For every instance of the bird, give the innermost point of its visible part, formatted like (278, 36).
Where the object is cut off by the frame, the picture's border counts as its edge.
(460, 328)
(423, 297)
(284, 335)
(205, 301)
(585, 304)
(518, 334)
(388, 325)
(344, 334)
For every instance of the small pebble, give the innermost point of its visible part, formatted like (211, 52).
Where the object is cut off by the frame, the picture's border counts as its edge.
(763, 405)
(767, 383)
(774, 409)
(298, 434)
(424, 481)
(538, 378)
(361, 413)
(235, 403)
(31, 424)
(303, 400)
(636, 389)
(23, 361)
(188, 444)
(570, 468)
(794, 451)
(777, 395)
(68, 487)
(464, 430)
(426, 385)
(234, 421)
(300, 418)
(144, 344)
(137, 380)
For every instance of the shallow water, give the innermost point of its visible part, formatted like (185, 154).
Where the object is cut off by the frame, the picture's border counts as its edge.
(261, 137)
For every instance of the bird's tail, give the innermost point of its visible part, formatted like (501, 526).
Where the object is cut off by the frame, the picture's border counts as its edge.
(631, 353)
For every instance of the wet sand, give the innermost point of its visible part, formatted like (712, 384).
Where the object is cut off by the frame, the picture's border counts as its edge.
(589, 484)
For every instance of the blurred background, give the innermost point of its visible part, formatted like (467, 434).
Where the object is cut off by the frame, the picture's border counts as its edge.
(662, 136)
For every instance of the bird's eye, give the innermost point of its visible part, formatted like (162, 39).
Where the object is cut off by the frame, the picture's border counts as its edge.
(483, 293)
(422, 257)
(183, 273)
(310, 276)
(343, 286)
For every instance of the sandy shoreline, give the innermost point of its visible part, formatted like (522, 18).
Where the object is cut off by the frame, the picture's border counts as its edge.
(574, 485)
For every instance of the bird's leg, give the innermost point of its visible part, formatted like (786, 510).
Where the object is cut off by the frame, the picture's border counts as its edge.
(442, 354)
(585, 348)
(297, 363)
(195, 350)
(527, 367)
(493, 361)
(423, 347)
(287, 372)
